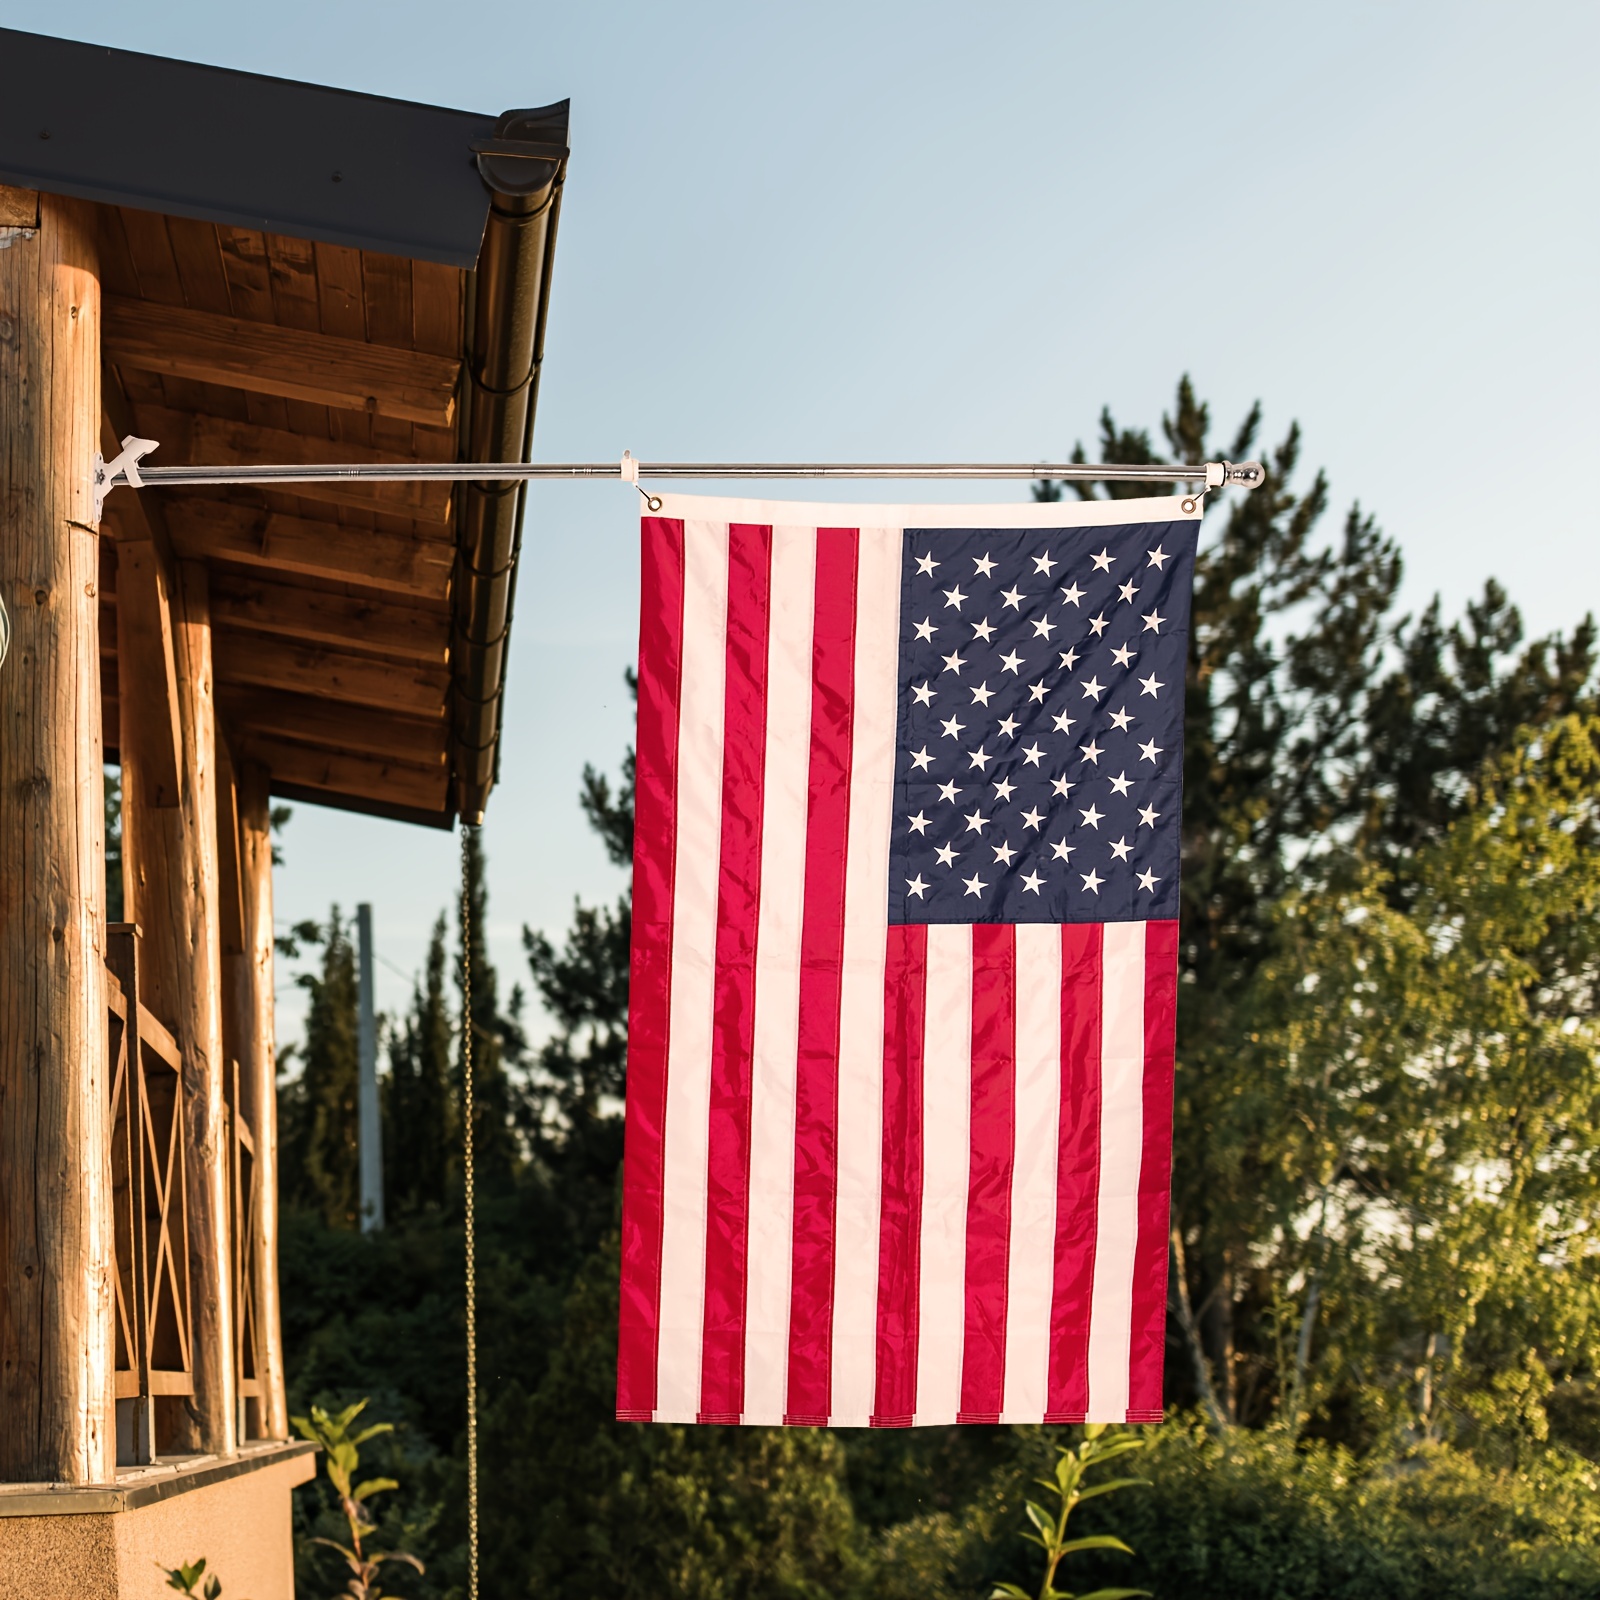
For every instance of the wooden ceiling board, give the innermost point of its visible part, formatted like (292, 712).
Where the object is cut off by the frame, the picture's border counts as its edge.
(153, 261)
(436, 300)
(244, 264)
(117, 273)
(330, 602)
(302, 719)
(341, 311)
(328, 673)
(432, 444)
(311, 584)
(244, 536)
(340, 774)
(369, 624)
(198, 258)
(386, 299)
(342, 372)
(294, 282)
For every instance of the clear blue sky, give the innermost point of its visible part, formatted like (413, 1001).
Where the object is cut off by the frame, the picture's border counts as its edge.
(936, 231)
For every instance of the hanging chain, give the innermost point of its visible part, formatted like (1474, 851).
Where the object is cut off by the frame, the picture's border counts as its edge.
(470, 1219)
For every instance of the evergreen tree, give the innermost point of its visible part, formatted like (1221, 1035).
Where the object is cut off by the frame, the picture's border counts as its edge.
(1318, 726)
(320, 1149)
(611, 1508)
(497, 1039)
(576, 1090)
(421, 1117)
(1383, 1188)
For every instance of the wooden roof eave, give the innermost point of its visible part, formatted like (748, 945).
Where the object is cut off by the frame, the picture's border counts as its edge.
(418, 184)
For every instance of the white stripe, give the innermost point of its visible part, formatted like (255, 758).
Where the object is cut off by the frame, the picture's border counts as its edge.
(866, 898)
(694, 938)
(1121, 1149)
(952, 514)
(1032, 1261)
(946, 1168)
(777, 991)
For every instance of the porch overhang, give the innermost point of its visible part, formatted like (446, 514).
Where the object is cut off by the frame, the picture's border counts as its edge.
(292, 272)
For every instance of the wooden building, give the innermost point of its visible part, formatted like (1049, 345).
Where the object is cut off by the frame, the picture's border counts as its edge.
(247, 270)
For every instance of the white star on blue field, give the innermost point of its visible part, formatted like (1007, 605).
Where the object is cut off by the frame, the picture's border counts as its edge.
(1039, 752)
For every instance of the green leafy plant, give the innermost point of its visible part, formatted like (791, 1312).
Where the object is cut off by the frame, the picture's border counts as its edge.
(1049, 1529)
(342, 1452)
(184, 1578)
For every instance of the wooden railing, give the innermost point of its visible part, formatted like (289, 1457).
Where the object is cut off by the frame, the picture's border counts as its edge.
(154, 1354)
(244, 1187)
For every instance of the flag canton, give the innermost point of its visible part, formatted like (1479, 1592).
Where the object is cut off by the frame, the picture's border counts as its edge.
(1039, 748)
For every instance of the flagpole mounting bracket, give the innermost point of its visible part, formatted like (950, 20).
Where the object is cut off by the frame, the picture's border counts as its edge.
(121, 468)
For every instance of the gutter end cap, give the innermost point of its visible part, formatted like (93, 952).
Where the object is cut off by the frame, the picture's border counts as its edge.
(518, 173)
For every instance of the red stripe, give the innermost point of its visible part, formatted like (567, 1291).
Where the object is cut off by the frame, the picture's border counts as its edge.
(654, 859)
(1077, 1173)
(993, 1144)
(1147, 1346)
(816, 1111)
(905, 981)
(744, 743)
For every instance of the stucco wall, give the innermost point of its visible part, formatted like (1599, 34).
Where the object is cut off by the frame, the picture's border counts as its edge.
(241, 1526)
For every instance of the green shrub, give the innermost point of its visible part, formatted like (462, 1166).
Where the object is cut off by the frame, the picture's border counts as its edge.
(1257, 1517)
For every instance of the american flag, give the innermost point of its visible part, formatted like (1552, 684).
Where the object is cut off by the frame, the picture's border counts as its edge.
(904, 962)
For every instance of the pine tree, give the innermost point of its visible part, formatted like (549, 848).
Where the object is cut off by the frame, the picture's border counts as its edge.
(420, 1112)
(321, 1160)
(497, 1039)
(1319, 727)
(574, 1104)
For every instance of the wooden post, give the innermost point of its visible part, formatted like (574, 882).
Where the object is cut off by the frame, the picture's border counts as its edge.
(57, 1396)
(170, 870)
(253, 1044)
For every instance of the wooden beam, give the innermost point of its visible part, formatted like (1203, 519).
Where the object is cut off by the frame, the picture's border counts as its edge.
(266, 663)
(262, 358)
(151, 742)
(362, 777)
(230, 891)
(254, 1047)
(171, 872)
(188, 437)
(19, 208)
(218, 530)
(57, 1248)
(259, 605)
(417, 741)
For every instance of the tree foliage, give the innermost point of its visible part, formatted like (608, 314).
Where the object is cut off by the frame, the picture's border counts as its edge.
(1325, 732)
(421, 1129)
(319, 1142)
(1385, 1198)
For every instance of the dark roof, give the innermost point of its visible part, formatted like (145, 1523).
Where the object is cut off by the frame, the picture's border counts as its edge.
(126, 129)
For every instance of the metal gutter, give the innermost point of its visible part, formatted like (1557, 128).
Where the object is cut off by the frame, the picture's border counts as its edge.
(524, 165)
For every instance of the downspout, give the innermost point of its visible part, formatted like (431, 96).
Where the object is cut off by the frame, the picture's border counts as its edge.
(524, 164)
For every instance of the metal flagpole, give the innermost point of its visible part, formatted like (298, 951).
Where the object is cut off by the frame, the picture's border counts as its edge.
(127, 467)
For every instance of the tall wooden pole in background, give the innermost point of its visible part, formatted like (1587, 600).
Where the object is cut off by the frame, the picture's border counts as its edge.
(170, 872)
(57, 1397)
(252, 1042)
